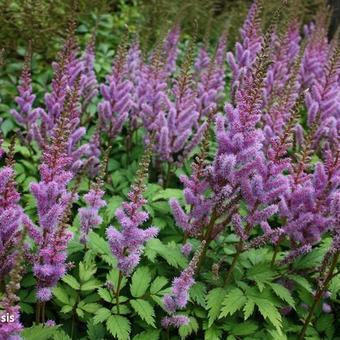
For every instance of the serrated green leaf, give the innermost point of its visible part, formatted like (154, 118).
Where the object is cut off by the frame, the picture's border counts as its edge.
(198, 292)
(66, 309)
(214, 303)
(262, 274)
(40, 332)
(244, 328)
(233, 302)
(301, 281)
(268, 311)
(119, 327)
(90, 285)
(71, 281)
(140, 281)
(283, 293)
(105, 294)
(61, 295)
(144, 310)
(91, 307)
(95, 332)
(248, 309)
(157, 284)
(61, 335)
(102, 314)
(167, 194)
(152, 334)
(213, 333)
(186, 330)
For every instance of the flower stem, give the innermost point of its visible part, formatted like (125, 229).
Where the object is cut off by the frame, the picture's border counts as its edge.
(239, 249)
(118, 290)
(319, 295)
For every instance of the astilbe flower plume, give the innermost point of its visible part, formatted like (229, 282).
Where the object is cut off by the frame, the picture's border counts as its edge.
(9, 303)
(179, 296)
(127, 244)
(115, 107)
(67, 70)
(89, 83)
(53, 200)
(171, 49)
(323, 102)
(11, 215)
(317, 51)
(26, 116)
(89, 216)
(247, 49)
(178, 134)
(284, 51)
(210, 85)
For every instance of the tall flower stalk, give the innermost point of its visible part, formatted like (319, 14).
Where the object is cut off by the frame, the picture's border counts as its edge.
(127, 243)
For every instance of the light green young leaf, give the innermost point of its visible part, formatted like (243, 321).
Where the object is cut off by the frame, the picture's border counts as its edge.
(40, 332)
(244, 328)
(213, 333)
(144, 310)
(158, 284)
(90, 285)
(268, 311)
(119, 327)
(248, 309)
(283, 293)
(186, 330)
(214, 303)
(105, 294)
(102, 314)
(61, 295)
(233, 302)
(95, 332)
(140, 281)
(198, 293)
(151, 334)
(71, 281)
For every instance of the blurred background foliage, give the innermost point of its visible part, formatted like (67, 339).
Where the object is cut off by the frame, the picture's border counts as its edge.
(44, 23)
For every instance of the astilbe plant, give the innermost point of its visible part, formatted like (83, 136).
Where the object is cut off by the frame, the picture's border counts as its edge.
(116, 104)
(26, 116)
(126, 245)
(179, 296)
(11, 215)
(53, 199)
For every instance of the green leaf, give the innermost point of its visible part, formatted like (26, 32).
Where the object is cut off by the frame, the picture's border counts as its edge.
(158, 284)
(170, 252)
(248, 309)
(310, 260)
(91, 307)
(61, 335)
(301, 281)
(86, 271)
(101, 247)
(144, 310)
(167, 194)
(186, 330)
(61, 295)
(213, 333)
(119, 327)
(152, 334)
(40, 332)
(140, 281)
(66, 309)
(262, 274)
(90, 285)
(268, 311)
(198, 292)
(71, 281)
(244, 328)
(214, 303)
(283, 293)
(105, 294)
(102, 314)
(233, 302)
(95, 332)
(112, 205)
